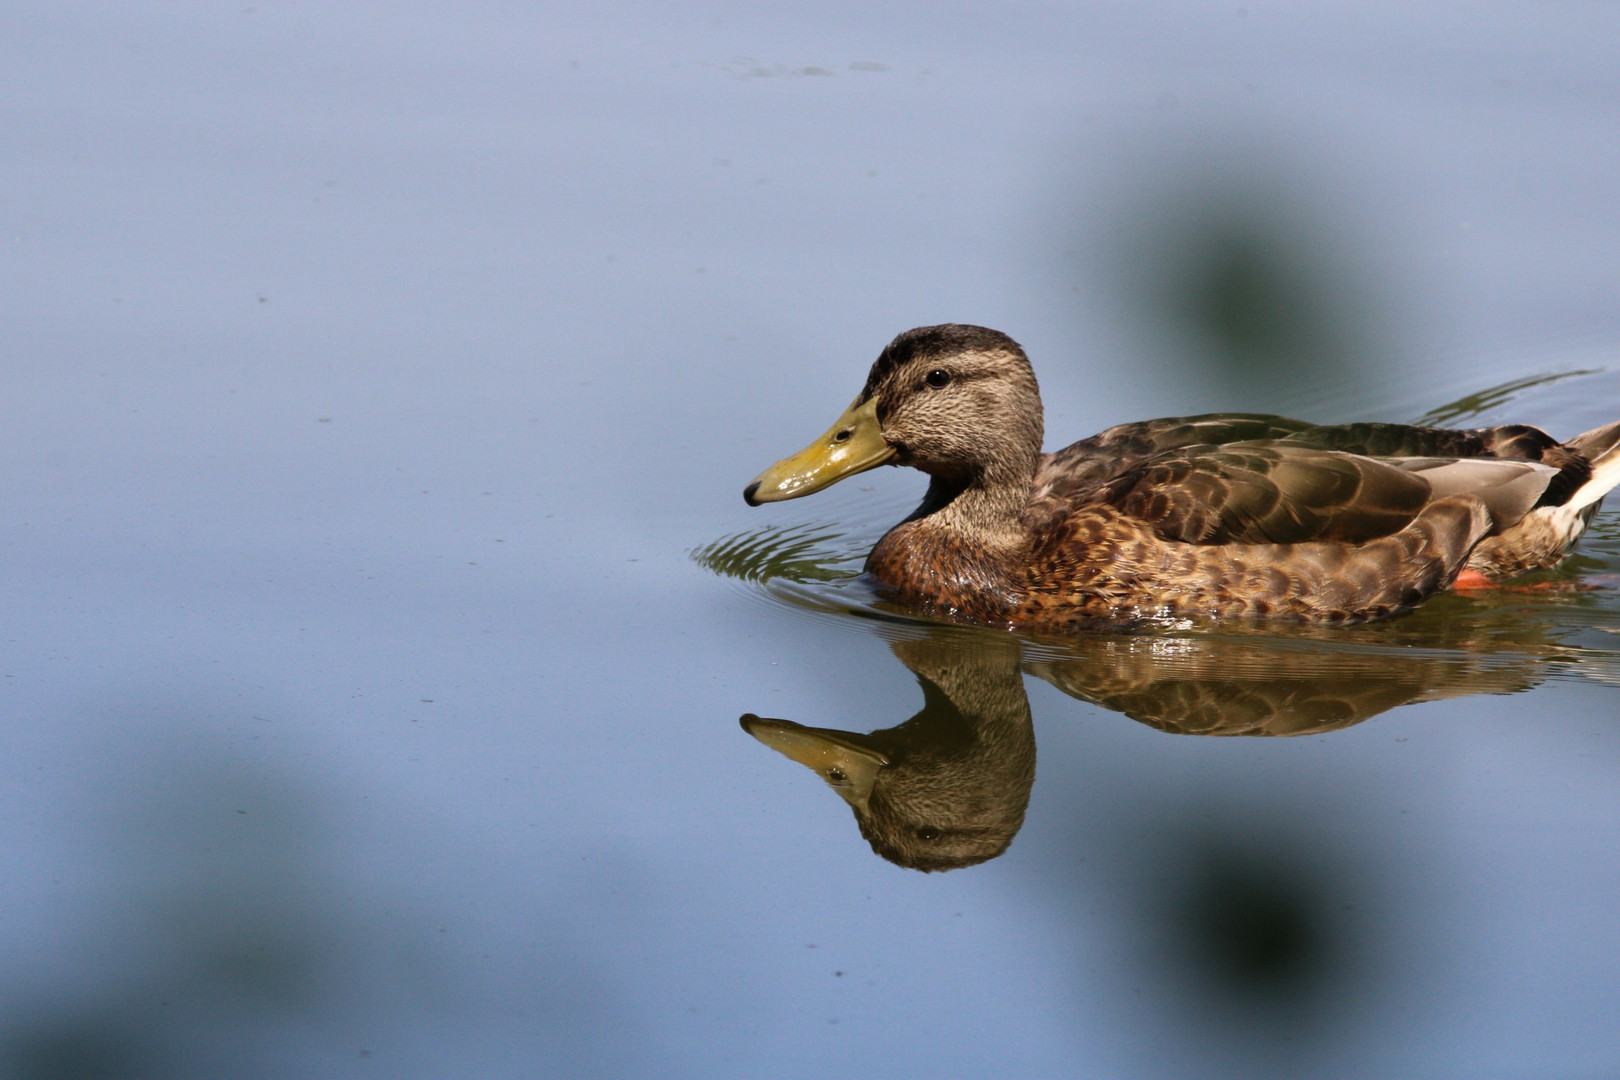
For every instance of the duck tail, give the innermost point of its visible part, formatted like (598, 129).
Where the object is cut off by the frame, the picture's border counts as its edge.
(1600, 446)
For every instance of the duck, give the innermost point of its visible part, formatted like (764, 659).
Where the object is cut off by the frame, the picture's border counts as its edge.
(1210, 517)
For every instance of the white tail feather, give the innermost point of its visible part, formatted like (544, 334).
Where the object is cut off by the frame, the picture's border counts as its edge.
(1605, 475)
(1602, 446)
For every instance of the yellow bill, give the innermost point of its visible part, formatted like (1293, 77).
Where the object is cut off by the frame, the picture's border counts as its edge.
(853, 444)
(836, 756)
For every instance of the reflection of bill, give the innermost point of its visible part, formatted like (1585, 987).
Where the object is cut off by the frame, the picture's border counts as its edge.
(949, 786)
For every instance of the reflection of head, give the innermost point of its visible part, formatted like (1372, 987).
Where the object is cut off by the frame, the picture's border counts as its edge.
(948, 787)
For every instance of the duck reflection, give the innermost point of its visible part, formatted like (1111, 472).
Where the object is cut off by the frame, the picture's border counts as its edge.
(1193, 686)
(949, 786)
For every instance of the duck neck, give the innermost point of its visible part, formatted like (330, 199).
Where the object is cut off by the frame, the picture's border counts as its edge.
(959, 554)
(986, 509)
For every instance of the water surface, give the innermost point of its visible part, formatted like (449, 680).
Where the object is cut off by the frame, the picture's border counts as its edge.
(372, 377)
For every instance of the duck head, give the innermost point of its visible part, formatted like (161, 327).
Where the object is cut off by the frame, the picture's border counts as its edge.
(958, 402)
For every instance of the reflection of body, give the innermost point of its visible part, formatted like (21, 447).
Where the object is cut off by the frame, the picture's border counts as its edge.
(1203, 516)
(1229, 686)
(949, 787)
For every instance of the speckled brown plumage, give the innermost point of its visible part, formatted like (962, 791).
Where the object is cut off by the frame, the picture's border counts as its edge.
(1199, 517)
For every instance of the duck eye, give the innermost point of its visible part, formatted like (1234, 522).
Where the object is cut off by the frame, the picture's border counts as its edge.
(938, 378)
(929, 832)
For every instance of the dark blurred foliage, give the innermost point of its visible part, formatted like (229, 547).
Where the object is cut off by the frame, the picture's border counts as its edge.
(1234, 266)
(1257, 925)
(85, 1046)
(215, 933)
(229, 935)
(1256, 294)
(1256, 936)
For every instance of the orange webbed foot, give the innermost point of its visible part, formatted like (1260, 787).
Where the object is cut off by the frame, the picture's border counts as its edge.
(1474, 581)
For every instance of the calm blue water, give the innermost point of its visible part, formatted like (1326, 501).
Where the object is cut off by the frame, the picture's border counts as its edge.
(371, 377)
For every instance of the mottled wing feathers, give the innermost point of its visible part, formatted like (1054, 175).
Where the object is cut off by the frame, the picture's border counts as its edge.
(1085, 465)
(1250, 478)
(1267, 492)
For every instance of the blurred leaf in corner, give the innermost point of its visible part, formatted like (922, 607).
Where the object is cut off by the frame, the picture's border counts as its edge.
(87, 1046)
